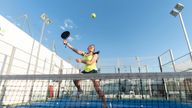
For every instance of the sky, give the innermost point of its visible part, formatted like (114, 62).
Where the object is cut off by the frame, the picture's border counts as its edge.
(122, 28)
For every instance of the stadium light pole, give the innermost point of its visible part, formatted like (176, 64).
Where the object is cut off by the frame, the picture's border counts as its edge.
(46, 21)
(177, 11)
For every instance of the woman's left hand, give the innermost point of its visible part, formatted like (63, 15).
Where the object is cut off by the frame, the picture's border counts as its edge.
(78, 60)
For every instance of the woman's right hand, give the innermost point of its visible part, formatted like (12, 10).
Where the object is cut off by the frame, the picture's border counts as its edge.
(65, 41)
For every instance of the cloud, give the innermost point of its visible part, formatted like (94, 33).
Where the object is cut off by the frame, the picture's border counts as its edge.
(77, 37)
(62, 27)
(68, 25)
(70, 38)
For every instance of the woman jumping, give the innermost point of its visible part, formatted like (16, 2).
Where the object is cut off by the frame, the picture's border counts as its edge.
(90, 60)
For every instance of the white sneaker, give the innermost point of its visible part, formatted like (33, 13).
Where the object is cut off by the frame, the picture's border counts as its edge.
(77, 94)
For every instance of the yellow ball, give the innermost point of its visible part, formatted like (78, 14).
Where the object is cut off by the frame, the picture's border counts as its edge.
(93, 15)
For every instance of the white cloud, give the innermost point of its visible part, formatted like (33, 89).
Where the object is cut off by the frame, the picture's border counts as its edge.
(68, 25)
(77, 37)
(70, 38)
(62, 27)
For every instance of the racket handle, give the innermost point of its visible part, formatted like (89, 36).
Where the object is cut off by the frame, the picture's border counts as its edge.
(65, 45)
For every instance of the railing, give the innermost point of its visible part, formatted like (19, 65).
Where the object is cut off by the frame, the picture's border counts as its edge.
(123, 90)
(15, 61)
(129, 65)
(169, 64)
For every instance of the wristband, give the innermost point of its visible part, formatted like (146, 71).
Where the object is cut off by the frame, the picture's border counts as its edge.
(66, 43)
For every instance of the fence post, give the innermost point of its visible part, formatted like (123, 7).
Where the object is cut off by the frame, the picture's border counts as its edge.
(130, 69)
(120, 86)
(140, 80)
(3, 90)
(50, 69)
(44, 65)
(163, 81)
(29, 64)
(160, 64)
(172, 59)
(3, 65)
(51, 64)
(149, 81)
(28, 67)
(11, 61)
(60, 73)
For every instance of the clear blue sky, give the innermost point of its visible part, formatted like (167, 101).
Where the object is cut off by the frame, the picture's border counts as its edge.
(123, 28)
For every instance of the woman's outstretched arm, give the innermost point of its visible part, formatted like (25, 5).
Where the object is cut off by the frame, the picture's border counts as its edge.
(73, 49)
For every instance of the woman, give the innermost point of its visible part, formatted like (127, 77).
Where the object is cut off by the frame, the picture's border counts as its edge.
(90, 60)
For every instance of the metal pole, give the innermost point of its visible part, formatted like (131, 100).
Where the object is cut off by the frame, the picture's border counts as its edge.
(3, 90)
(130, 69)
(11, 61)
(186, 35)
(163, 80)
(172, 59)
(28, 67)
(38, 52)
(37, 59)
(138, 63)
(44, 65)
(149, 81)
(3, 65)
(120, 86)
(139, 69)
(146, 67)
(50, 71)
(29, 64)
(60, 73)
(2, 69)
(160, 64)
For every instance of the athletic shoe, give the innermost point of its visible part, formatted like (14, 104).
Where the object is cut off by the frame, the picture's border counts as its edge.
(78, 93)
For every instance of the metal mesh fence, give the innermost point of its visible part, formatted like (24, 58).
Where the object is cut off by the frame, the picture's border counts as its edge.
(15, 61)
(169, 64)
(183, 63)
(129, 65)
(123, 90)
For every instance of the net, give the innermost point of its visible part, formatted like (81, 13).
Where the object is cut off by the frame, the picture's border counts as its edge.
(121, 90)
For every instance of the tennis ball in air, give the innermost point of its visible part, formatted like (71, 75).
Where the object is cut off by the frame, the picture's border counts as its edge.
(93, 15)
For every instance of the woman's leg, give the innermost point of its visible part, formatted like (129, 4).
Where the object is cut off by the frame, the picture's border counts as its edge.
(100, 92)
(77, 84)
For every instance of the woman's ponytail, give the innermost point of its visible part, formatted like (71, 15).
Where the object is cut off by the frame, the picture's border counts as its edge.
(97, 52)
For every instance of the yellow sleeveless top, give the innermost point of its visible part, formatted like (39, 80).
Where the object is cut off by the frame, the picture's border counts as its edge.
(89, 67)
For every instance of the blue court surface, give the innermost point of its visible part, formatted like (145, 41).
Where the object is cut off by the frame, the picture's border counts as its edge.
(67, 103)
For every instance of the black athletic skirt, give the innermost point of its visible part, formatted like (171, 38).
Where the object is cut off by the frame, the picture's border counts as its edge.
(93, 71)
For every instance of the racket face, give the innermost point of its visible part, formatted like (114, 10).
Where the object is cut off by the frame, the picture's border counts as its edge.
(65, 34)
